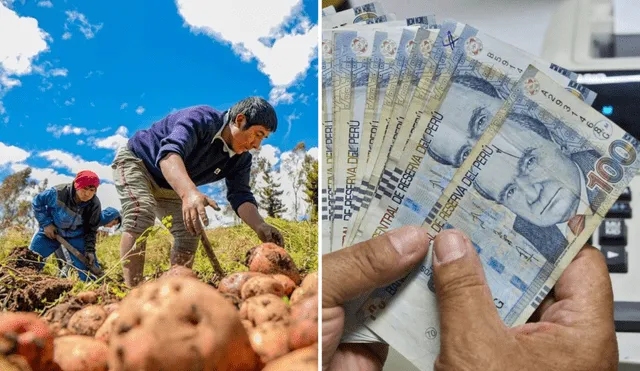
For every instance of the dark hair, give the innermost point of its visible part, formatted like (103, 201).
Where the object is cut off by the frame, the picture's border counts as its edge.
(525, 122)
(477, 84)
(531, 123)
(257, 111)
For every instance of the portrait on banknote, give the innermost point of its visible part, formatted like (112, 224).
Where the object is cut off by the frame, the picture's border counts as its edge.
(537, 176)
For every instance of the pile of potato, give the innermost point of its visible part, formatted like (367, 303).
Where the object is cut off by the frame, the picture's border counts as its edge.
(266, 318)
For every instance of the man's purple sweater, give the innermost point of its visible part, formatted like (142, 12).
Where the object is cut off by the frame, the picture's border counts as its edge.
(190, 133)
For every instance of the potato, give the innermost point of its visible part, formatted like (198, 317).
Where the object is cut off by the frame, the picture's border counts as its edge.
(178, 323)
(286, 282)
(300, 294)
(16, 363)
(264, 308)
(248, 325)
(179, 271)
(104, 332)
(305, 309)
(303, 333)
(232, 284)
(261, 285)
(270, 340)
(300, 360)
(80, 353)
(110, 308)
(26, 335)
(303, 329)
(235, 300)
(88, 320)
(88, 297)
(270, 258)
(310, 282)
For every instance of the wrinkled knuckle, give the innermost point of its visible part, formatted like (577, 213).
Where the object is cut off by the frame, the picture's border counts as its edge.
(461, 284)
(373, 261)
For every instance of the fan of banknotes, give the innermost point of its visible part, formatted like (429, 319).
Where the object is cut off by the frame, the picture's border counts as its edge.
(442, 125)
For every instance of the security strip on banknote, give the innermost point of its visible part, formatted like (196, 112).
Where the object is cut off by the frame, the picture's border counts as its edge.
(327, 140)
(350, 74)
(530, 193)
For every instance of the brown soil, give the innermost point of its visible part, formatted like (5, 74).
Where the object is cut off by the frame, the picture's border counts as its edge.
(23, 288)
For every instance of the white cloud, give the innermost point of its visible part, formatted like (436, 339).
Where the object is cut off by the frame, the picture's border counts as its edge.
(96, 73)
(17, 53)
(80, 142)
(8, 82)
(88, 30)
(122, 131)
(12, 154)
(114, 141)
(292, 117)
(313, 152)
(283, 56)
(270, 153)
(67, 130)
(58, 72)
(124, 105)
(66, 35)
(70, 102)
(40, 174)
(45, 4)
(279, 95)
(64, 160)
(140, 110)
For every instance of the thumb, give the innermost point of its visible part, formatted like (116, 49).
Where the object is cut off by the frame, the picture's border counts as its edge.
(355, 270)
(462, 291)
(212, 203)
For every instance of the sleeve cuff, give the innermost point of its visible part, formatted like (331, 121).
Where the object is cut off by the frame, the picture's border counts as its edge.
(165, 150)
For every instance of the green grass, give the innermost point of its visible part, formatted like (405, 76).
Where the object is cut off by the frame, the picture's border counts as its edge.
(230, 245)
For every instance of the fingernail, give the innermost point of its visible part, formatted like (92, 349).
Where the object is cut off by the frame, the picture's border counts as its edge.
(449, 246)
(408, 240)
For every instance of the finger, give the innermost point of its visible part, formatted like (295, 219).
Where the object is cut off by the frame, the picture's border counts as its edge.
(187, 221)
(213, 204)
(195, 222)
(585, 290)
(370, 264)
(365, 357)
(546, 303)
(461, 288)
(203, 214)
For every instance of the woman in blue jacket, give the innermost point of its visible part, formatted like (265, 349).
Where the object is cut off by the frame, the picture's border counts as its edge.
(109, 217)
(72, 211)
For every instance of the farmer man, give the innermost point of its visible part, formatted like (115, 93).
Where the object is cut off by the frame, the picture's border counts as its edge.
(73, 211)
(158, 172)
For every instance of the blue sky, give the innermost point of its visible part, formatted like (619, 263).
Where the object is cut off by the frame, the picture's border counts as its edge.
(78, 78)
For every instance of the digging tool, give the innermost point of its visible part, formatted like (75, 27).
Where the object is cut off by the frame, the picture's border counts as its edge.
(96, 271)
(212, 257)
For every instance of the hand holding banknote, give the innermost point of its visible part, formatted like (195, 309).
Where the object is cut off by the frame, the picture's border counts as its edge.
(574, 328)
(355, 271)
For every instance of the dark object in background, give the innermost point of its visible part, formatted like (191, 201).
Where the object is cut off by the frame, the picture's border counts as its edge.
(340, 5)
